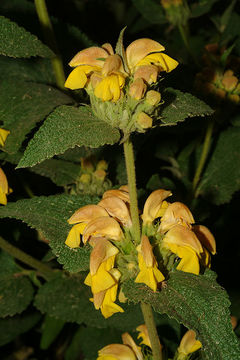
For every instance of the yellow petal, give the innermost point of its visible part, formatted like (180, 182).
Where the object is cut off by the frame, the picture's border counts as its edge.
(74, 236)
(3, 182)
(140, 48)
(3, 197)
(87, 213)
(176, 213)
(150, 276)
(163, 61)
(189, 262)
(102, 250)
(77, 79)
(3, 136)
(90, 56)
(143, 333)
(189, 344)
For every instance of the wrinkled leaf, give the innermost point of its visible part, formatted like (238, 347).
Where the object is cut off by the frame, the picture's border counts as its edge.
(65, 128)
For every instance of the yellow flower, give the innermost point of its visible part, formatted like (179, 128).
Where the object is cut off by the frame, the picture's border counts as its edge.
(128, 340)
(103, 277)
(149, 273)
(4, 188)
(83, 216)
(184, 243)
(207, 239)
(121, 193)
(117, 208)
(104, 226)
(155, 205)
(147, 52)
(100, 68)
(176, 214)
(3, 136)
(143, 333)
(116, 352)
(188, 345)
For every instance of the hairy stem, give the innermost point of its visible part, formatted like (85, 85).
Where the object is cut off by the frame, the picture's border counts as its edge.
(203, 157)
(50, 39)
(130, 166)
(45, 270)
(152, 331)
(146, 308)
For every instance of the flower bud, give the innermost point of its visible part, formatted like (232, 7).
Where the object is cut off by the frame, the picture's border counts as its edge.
(102, 165)
(137, 89)
(85, 178)
(188, 344)
(116, 352)
(153, 97)
(144, 121)
(3, 136)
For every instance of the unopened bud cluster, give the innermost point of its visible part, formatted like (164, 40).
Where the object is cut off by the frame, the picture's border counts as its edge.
(170, 241)
(217, 81)
(119, 85)
(92, 178)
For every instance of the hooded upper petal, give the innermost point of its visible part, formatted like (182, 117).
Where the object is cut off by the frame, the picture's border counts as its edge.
(87, 213)
(91, 56)
(116, 352)
(103, 226)
(153, 205)
(140, 48)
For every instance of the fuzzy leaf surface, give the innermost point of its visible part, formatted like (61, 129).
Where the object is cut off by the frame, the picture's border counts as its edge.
(65, 128)
(11, 327)
(68, 299)
(16, 42)
(16, 291)
(178, 106)
(222, 175)
(22, 105)
(198, 303)
(49, 216)
(59, 171)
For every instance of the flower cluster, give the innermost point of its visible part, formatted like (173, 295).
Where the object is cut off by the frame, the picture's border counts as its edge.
(118, 83)
(169, 240)
(4, 188)
(129, 349)
(92, 178)
(217, 80)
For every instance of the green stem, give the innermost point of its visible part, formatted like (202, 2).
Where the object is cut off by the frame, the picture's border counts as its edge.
(130, 166)
(152, 331)
(184, 34)
(50, 39)
(204, 155)
(45, 270)
(146, 308)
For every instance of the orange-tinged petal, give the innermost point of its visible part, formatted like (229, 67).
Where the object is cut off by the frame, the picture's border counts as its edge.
(149, 73)
(146, 251)
(87, 213)
(121, 194)
(205, 237)
(112, 63)
(176, 213)
(116, 352)
(128, 340)
(137, 89)
(90, 56)
(182, 236)
(143, 333)
(153, 205)
(3, 197)
(140, 48)
(74, 236)
(189, 344)
(108, 47)
(102, 250)
(117, 208)
(103, 226)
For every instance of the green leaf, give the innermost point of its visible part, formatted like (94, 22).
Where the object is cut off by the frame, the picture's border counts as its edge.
(201, 7)
(178, 106)
(16, 291)
(197, 302)
(65, 128)
(12, 327)
(22, 105)
(222, 175)
(15, 41)
(51, 329)
(49, 216)
(36, 69)
(67, 298)
(151, 10)
(59, 171)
